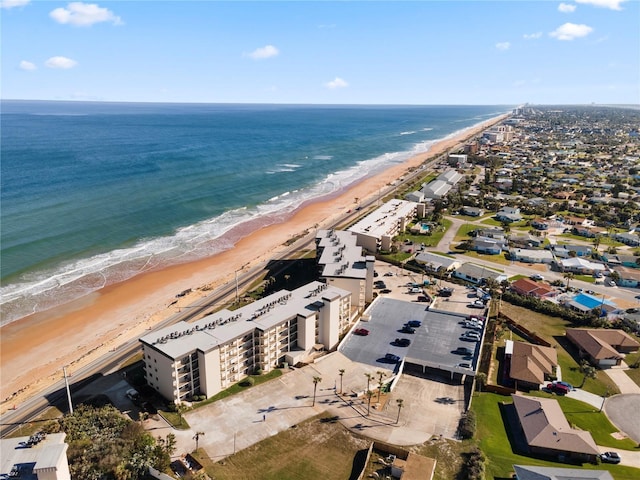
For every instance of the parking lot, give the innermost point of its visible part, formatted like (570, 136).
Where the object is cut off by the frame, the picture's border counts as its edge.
(433, 345)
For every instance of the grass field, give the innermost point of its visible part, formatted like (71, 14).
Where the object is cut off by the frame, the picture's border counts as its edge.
(495, 443)
(318, 448)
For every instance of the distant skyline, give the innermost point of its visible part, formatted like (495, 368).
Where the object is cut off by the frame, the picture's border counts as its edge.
(304, 52)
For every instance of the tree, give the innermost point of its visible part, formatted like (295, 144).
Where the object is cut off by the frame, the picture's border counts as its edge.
(369, 394)
(569, 276)
(481, 380)
(341, 372)
(196, 437)
(381, 375)
(316, 381)
(596, 242)
(588, 371)
(399, 402)
(369, 378)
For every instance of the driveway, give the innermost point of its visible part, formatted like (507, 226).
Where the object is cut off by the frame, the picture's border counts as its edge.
(622, 380)
(627, 457)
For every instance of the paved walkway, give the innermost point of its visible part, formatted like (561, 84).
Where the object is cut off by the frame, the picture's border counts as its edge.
(586, 397)
(621, 379)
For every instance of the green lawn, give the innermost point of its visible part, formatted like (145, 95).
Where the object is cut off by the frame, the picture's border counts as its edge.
(500, 259)
(634, 373)
(463, 232)
(494, 442)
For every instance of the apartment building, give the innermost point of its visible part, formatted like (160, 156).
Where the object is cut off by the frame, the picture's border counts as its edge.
(342, 264)
(376, 230)
(213, 353)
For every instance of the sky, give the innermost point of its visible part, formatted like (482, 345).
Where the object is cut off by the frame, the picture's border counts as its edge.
(447, 52)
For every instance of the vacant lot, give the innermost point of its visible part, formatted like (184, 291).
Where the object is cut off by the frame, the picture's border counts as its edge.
(318, 448)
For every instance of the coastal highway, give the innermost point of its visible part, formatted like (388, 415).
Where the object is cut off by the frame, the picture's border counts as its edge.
(29, 410)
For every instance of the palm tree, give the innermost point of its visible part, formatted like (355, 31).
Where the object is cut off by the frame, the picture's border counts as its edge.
(588, 370)
(399, 402)
(341, 371)
(316, 381)
(381, 375)
(196, 437)
(369, 394)
(369, 378)
(569, 276)
(596, 242)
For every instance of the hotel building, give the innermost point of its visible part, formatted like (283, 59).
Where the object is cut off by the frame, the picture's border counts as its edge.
(213, 353)
(341, 264)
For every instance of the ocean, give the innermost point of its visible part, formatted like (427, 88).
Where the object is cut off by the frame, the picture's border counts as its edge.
(95, 193)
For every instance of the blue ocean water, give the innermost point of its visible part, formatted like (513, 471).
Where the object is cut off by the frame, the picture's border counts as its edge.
(95, 193)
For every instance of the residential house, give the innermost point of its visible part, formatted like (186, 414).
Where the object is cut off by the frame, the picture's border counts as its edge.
(525, 240)
(621, 260)
(581, 266)
(529, 365)
(38, 457)
(540, 224)
(628, 238)
(574, 221)
(509, 215)
(531, 288)
(588, 232)
(472, 211)
(486, 245)
(529, 472)
(568, 251)
(435, 263)
(603, 347)
(627, 277)
(527, 255)
(477, 274)
(416, 197)
(547, 431)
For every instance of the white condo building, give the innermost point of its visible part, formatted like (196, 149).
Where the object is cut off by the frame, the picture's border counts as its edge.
(377, 229)
(213, 353)
(342, 265)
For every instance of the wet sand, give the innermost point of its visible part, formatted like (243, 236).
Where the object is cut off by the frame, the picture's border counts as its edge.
(35, 348)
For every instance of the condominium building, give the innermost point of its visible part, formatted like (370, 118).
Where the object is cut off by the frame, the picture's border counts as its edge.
(341, 264)
(211, 354)
(377, 229)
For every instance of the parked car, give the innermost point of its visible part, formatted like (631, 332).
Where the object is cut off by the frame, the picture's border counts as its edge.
(392, 357)
(566, 384)
(464, 365)
(386, 290)
(476, 304)
(133, 395)
(557, 388)
(470, 337)
(423, 298)
(408, 329)
(610, 457)
(388, 274)
(402, 342)
(463, 351)
(537, 276)
(363, 332)
(414, 323)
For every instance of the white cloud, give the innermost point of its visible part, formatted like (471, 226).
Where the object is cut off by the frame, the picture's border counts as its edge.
(267, 51)
(336, 83)
(570, 31)
(61, 63)
(611, 4)
(503, 46)
(532, 36)
(7, 4)
(84, 15)
(24, 65)
(566, 8)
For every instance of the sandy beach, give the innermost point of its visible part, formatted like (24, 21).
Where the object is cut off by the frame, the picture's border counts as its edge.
(34, 349)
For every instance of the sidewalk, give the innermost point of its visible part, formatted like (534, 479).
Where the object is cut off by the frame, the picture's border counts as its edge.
(621, 379)
(586, 397)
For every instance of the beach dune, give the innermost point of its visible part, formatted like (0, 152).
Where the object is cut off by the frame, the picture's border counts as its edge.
(36, 348)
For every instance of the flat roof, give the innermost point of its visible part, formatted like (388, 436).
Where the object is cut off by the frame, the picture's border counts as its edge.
(432, 345)
(44, 454)
(221, 327)
(384, 220)
(341, 257)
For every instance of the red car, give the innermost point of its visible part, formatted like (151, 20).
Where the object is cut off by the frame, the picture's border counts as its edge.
(558, 388)
(361, 331)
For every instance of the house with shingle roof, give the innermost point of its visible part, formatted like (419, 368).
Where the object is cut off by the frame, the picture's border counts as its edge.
(603, 347)
(531, 288)
(530, 365)
(529, 472)
(547, 431)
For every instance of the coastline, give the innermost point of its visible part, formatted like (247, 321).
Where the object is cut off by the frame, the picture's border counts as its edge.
(35, 348)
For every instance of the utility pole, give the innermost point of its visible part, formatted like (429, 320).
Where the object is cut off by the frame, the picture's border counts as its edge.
(237, 295)
(66, 382)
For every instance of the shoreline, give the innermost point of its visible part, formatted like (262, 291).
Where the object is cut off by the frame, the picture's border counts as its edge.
(99, 322)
